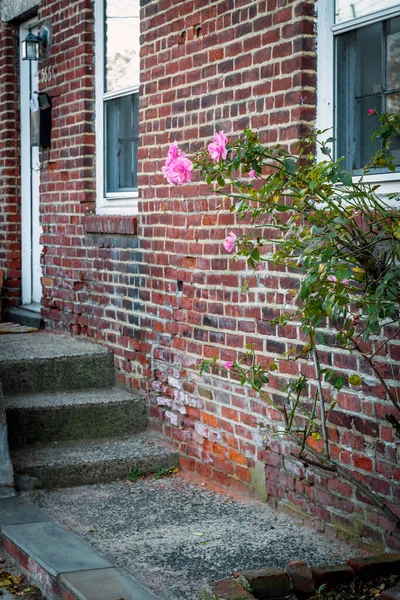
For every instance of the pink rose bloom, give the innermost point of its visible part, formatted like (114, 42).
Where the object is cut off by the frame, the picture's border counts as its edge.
(252, 173)
(173, 153)
(371, 111)
(179, 170)
(217, 148)
(230, 242)
(228, 365)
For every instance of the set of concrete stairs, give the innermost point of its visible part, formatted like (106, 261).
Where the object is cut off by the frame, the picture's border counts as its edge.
(68, 424)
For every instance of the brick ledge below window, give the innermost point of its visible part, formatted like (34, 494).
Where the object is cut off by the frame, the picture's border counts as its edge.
(110, 224)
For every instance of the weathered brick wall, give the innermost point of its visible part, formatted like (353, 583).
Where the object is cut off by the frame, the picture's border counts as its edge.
(10, 201)
(67, 183)
(162, 292)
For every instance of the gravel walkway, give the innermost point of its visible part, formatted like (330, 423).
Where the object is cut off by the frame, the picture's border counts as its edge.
(174, 534)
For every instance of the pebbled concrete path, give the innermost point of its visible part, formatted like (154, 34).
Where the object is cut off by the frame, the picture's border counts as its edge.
(174, 534)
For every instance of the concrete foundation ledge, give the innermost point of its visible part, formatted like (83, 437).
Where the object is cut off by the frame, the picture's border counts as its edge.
(61, 565)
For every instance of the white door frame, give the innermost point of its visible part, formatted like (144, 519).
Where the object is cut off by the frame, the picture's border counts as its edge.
(30, 180)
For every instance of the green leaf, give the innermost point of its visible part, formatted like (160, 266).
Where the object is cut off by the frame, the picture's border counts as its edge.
(339, 382)
(290, 165)
(320, 338)
(281, 207)
(346, 178)
(304, 292)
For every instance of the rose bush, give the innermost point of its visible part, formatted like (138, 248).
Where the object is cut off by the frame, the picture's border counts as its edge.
(341, 237)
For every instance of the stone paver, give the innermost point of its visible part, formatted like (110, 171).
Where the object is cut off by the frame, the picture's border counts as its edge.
(55, 549)
(14, 511)
(103, 584)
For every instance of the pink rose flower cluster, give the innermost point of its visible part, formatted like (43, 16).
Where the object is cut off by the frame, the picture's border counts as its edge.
(178, 168)
(217, 148)
(230, 242)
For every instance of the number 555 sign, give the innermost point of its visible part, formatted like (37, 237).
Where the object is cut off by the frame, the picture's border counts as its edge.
(45, 75)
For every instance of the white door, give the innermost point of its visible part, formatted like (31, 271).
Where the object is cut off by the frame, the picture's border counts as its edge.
(30, 178)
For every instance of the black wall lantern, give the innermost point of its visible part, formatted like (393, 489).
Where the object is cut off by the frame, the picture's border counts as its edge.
(30, 47)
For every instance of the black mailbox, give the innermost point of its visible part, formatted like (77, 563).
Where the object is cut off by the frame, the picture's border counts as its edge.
(41, 121)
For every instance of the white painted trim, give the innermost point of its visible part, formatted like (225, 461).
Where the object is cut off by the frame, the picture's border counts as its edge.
(111, 203)
(119, 93)
(375, 17)
(326, 85)
(325, 70)
(30, 181)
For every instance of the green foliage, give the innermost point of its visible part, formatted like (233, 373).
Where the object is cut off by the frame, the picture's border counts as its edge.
(162, 472)
(338, 237)
(135, 474)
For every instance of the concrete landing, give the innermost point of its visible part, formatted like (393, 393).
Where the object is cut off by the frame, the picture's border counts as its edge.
(175, 534)
(25, 317)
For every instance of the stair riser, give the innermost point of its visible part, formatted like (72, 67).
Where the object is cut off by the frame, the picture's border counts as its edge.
(44, 477)
(57, 374)
(81, 422)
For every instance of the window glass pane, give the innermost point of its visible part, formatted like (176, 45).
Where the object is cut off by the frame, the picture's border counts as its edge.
(366, 125)
(393, 54)
(368, 76)
(353, 9)
(346, 91)
(393, 106)
(122, 117)
(369, 59)
(122, 30)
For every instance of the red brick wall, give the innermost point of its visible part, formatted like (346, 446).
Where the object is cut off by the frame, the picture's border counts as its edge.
(10, 201)
(68, 173)
(170, 295)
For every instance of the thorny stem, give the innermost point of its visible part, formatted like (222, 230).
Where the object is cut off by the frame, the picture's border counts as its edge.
(378, 375)
(357, 484)
(321, 401)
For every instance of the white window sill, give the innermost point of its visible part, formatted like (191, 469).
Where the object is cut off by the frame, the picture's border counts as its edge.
(118, 205)
(389, 183)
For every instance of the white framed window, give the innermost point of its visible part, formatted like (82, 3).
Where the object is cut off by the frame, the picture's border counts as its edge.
(117, 30)
(358, 69)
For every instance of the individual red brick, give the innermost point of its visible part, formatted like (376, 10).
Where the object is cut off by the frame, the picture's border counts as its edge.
(229, 589)
(266, 583)
(376, 566)
(301, 576)
(332, 575)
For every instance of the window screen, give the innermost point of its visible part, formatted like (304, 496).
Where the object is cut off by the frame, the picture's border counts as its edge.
(122, 117)
(368, 76)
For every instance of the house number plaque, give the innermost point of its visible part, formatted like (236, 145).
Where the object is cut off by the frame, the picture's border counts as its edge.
(45, 75)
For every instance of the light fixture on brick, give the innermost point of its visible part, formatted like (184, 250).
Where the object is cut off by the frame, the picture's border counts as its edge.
(30, 47)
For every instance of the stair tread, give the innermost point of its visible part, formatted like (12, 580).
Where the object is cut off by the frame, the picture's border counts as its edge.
(97, 396)
(140, 445)
(39, 346)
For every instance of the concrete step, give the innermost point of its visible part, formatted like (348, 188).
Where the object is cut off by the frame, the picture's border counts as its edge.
(40, 362)
(79, 463)
(77, 415)
(24, 316)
